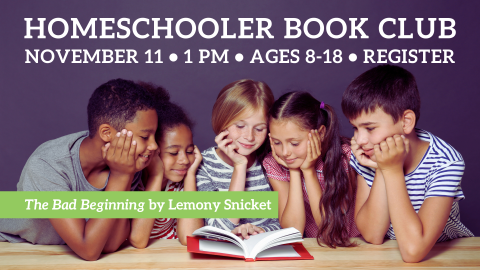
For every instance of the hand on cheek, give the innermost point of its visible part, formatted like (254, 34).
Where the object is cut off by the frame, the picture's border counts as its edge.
(198, 159)
(119, 154)
(360, 155)
(314, 151)
(391, 153)
(229, 148)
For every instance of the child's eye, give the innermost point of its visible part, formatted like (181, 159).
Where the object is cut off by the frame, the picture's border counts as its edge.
(145, 138)
(260, 129)
(174, 154)
(370, 128)
(294, 144)
(189, 152)
(238, 126)
(276, 143)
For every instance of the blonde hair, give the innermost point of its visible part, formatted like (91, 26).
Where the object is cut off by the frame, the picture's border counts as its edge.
(238, 97)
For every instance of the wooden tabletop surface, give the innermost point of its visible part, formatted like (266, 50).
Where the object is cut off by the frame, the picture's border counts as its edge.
(169, 254)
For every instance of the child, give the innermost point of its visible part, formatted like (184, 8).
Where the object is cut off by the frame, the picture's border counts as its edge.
(239, 118)
(121, 139)
(177, 161)
(409, 179)
(314, 172)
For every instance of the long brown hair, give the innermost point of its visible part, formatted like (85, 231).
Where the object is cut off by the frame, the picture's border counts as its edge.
(338, 197)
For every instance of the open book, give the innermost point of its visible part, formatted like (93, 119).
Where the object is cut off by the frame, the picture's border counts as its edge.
(275, 245)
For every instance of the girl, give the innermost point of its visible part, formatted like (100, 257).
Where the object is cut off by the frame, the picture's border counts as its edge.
(176, 161)
(309, 168)
(239, 118)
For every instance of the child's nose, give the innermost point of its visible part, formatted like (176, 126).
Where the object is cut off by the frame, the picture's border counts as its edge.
(286, 152)
(152, 145)
(361, 139)
(249, 134)
(182, 159)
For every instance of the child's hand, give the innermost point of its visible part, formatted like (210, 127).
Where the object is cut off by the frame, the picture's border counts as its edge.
(229, 149)
(119, 155)
(245, 230)
(391, 153)
(274, 154)
(156, 168)
(360, 155)
(198, 159)
(314, 150)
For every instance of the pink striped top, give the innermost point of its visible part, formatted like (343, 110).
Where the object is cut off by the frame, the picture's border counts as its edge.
(280, 173)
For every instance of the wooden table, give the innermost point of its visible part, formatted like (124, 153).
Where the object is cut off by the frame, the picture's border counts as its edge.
(169, 254)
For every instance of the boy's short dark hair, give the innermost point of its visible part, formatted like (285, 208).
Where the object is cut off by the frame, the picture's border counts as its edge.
(116, 103)
(391, 88)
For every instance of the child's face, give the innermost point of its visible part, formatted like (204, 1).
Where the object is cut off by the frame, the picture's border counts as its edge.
(176, 152)
(248, 132)
(373, 128)
(143, 127)
(289, 142)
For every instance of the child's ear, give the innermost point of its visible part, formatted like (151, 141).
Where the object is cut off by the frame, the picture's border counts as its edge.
(106, 132)
(321, 131)
(409, 120)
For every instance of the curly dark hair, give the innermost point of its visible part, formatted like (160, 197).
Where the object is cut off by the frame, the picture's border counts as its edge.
(116, 103)
(170, 115)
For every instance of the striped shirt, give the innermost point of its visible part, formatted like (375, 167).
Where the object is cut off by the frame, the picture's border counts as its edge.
(166, 228)
(278, 172)
(214, 174)
(438, 174)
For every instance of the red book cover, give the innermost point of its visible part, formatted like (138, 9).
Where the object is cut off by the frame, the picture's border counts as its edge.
(193, 245)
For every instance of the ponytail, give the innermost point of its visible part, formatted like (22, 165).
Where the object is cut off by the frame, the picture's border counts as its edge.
(339, 192)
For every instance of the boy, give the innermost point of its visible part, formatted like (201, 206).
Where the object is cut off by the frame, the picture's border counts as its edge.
(120, 142)
(409, 179)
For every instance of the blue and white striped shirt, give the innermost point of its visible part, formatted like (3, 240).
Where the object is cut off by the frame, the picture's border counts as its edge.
(438, 174)
(214, 174)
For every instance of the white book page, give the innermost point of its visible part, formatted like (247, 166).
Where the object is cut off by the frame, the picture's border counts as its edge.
(252, 246)
(210, 230)
(273, 238)
(279, 251)
(220, 247)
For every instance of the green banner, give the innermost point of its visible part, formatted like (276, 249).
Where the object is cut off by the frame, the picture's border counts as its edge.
(138, 204)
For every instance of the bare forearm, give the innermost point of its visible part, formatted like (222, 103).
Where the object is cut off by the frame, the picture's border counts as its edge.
(294, 213)
(237, 183)
(373, 219)
(186, 226)
(140, 232)
(314, 192)
(86, 239)
(190, 183)
(142, 227)
(412, 237)
(119, 234)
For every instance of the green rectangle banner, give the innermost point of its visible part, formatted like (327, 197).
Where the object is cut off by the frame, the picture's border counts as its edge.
(138, 204)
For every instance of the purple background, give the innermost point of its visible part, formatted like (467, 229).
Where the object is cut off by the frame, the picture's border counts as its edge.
(40, 102)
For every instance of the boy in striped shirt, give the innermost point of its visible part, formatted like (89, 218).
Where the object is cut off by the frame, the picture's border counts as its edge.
(408, 179)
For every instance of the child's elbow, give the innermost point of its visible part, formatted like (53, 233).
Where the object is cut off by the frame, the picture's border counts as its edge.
(89, 255)
(374, 239)
(412, 254)
(183, 240)
(138, 242)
